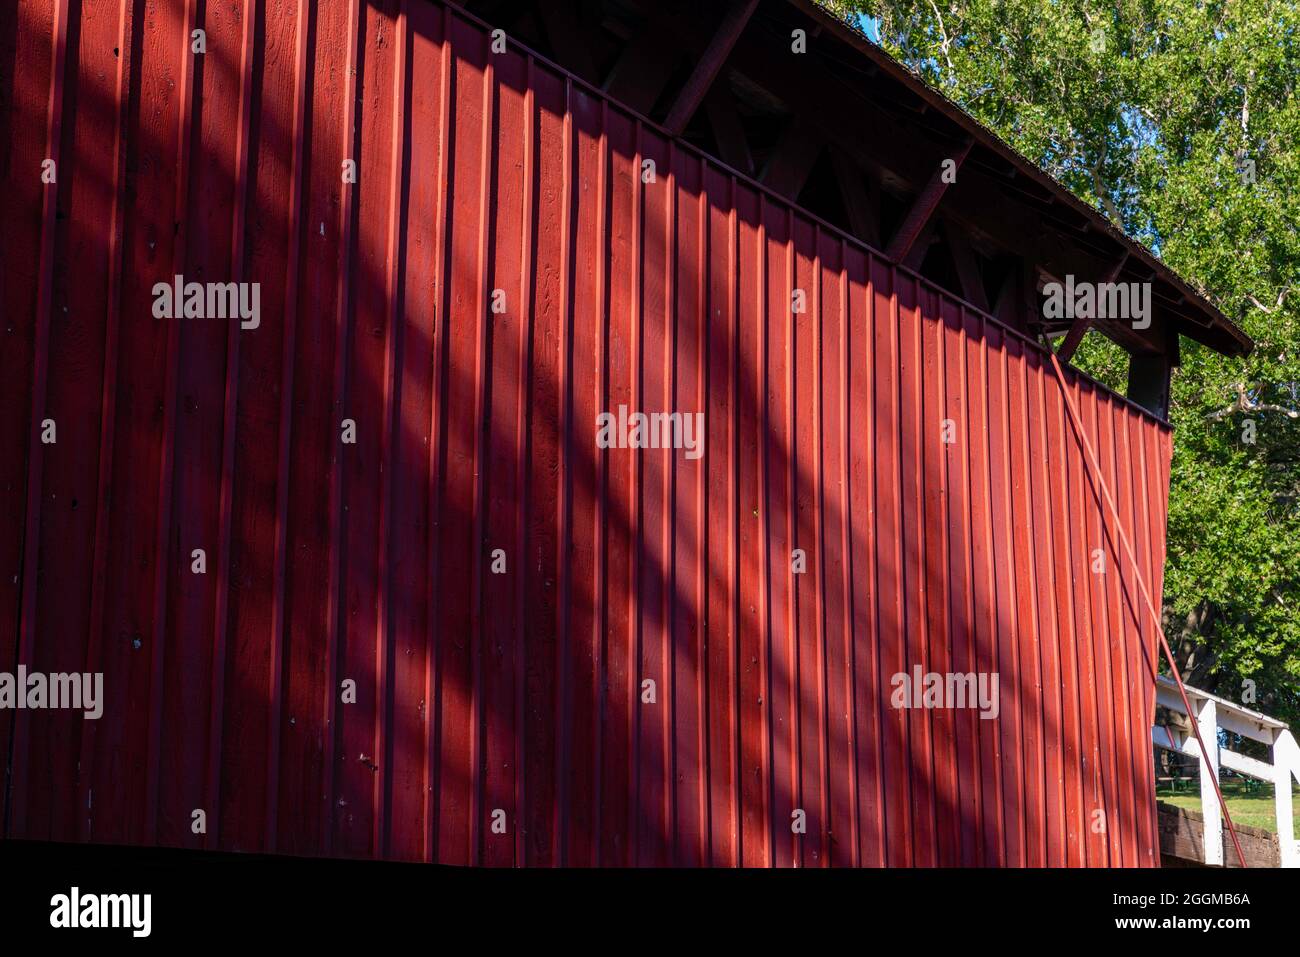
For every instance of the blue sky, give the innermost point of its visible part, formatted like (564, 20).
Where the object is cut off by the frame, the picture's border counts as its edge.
(870, 26)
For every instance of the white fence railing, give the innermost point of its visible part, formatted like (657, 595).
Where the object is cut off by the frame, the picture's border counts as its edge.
(1212, 713)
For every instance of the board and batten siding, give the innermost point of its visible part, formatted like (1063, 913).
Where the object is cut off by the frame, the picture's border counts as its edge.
(522, 692)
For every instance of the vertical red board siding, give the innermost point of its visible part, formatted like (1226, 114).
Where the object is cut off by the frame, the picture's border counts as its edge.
(779, 264)
(653, 789)
(367, 581)
(75, 367)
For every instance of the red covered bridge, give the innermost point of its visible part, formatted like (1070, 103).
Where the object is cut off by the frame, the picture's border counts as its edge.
(358, 577)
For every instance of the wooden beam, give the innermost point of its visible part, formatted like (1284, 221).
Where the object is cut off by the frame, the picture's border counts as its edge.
(1007, 307)
(916, 255)
(861, 196)
(1030, 309)
(733, 146)
(883, 143)
(1149, 373)
(565, 34)
(1081, 325)
(791, 163)
(924, 206)
(1075, 336)
(1112, 274)
(1148, 382)
(978, 202)
(710, 62)
(893, 150)
(968, 270)
(861, 125)
(645, 66)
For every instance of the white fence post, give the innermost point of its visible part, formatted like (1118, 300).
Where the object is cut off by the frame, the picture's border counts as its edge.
(1210, 713)
(1208, 722)
(1286, 762)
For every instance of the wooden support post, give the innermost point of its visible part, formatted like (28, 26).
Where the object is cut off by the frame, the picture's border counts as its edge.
(1073, 337)
(729, 134)
(1112, 274)
(916, 255)
(861, 197)
(706, 70)
(1017, 300)
(1286, 766)
(1207, 722)
(565, 35)
(1031, 303)
(1148, 381)
(643, 69)
(1082, 325)
(924, 206)
(791, 163)
(968, 271)
(1006, 305)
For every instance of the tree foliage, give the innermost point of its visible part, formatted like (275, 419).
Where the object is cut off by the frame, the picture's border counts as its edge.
(1179, 120)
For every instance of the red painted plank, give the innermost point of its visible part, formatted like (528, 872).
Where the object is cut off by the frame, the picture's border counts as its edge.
(653, 793)
(305, 797)
(1108, 757)
(460, 549)
(868, 686)
(192, 651)
(1127, 754)
(718, 463)
(77, 345)
(163, 671)
(1005, 603)
(753, 700)
(1066, 552)
(690, 813)
(27, 40)
(124, 38)
(930, 758)
(841, 781)
(1143, 537)
(1085, 575)
(585, 471)
(621, 520)
(546, 546)
(961, 597)
(505, 454)
(779, 454)
(246, 737)
(986, 659)
(40, 399)
(809, 674)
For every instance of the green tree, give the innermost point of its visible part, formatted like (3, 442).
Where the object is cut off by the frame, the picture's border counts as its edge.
(1179, 120)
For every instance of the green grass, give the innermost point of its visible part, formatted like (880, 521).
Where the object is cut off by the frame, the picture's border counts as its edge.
(1254, 808)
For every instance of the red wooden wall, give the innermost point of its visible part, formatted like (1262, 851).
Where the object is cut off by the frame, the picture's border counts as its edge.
(475, 431)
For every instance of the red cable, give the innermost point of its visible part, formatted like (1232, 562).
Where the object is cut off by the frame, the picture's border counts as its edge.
(1146, 596)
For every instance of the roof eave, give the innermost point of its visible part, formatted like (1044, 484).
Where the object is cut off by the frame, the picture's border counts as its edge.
(1219, 332)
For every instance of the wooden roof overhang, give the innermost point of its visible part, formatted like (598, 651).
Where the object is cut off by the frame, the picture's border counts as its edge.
(855, 137)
